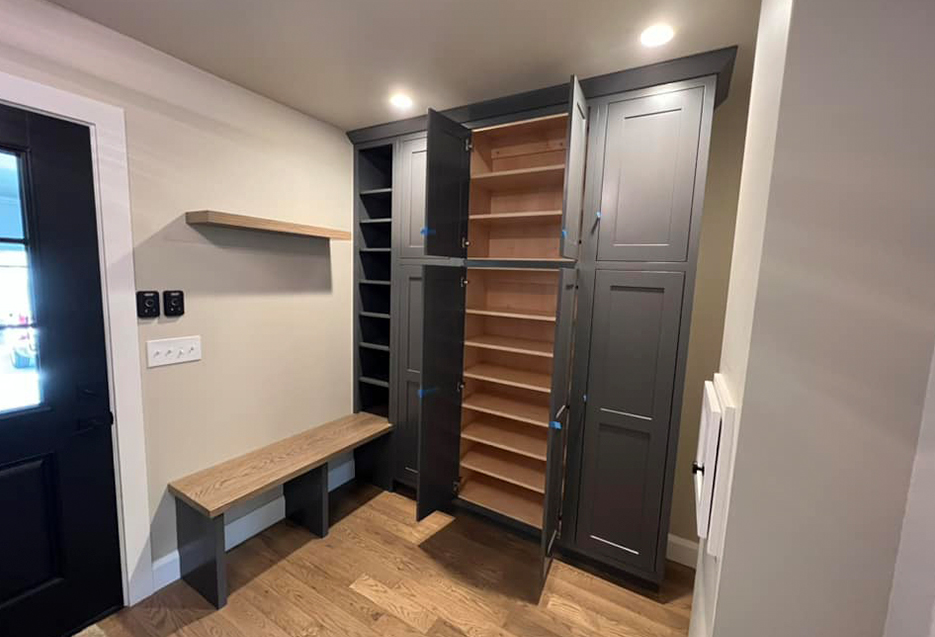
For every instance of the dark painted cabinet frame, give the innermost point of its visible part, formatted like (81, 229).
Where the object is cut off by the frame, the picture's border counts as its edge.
(710, 73)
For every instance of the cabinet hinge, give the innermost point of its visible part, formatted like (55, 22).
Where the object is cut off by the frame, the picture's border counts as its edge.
(468, 145)
(456, 486)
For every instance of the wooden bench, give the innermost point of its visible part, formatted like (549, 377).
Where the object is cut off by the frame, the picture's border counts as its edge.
(299, 464)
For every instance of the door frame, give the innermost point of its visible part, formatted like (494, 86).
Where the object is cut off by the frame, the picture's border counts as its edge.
(118, 284)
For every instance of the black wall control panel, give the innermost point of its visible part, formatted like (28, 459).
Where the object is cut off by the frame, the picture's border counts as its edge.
(173, 302)
(147, 304)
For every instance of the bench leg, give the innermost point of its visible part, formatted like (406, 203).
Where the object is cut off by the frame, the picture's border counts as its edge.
(201, 553)
(373, 462)
(307, 500)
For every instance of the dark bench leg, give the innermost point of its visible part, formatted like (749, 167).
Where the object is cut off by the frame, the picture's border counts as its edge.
(307, 500)
(201, 553)
(373, 462)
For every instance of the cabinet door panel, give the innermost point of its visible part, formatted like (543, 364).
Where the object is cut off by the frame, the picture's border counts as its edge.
(409, 190)
(447, 185)
(558, 426)
(631, 373)
(649, 166)
(442, 368)
(409, 324)
(576, 151)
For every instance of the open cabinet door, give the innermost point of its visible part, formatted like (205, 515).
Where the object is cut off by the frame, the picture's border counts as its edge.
(575, 154)
(558, 425)
(447, 187)
(441, 385)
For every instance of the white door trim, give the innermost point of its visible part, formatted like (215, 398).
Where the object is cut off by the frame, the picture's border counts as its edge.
(112, 186)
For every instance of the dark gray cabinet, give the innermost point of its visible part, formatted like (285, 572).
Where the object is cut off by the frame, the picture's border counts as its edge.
(408, 322)
(631, 370)
(409, 198)
(648, 150)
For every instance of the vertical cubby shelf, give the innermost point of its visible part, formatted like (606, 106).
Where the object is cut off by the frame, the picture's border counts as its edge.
(373, 282)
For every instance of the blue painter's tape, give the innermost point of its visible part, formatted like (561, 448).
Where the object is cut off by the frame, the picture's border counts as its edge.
(564, 233)
(598, 214)
(426, 231)
(555, 424)
(422, 393)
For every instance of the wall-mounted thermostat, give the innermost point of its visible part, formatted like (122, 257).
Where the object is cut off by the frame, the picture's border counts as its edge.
(147, 304)
(174, 302)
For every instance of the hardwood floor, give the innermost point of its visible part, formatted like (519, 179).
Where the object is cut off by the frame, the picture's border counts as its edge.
(380, 573)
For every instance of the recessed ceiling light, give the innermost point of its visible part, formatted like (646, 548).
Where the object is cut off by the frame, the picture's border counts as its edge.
(401, 101)
(656, 35)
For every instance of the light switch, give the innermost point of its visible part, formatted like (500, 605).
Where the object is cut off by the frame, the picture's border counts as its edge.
(170, 351)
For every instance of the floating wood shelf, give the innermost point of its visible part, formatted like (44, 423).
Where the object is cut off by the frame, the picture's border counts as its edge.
(511, 344)
(244, 222)
(521, 178)
(511, 436)
(495, 405)
(504, 498)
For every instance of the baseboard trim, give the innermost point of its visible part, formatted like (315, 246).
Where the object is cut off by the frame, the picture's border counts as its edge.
(166, 569)
(682, 551)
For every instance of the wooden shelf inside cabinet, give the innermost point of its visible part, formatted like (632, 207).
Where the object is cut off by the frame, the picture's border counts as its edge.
(511, 344)
(521, 178)
(509, 467)
(521, 439)
(376, 192)
(529, 316)
(374, 381)
(375, 221)
(516, 217)
(503, 498)
(373, 282)
(245, 222)
(488, 403)
(379, 315)
(375, 250)
(376, 346)
(510, 376)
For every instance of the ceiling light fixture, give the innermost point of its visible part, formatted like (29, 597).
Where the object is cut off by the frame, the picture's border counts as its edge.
(401, 101)
(656, 35)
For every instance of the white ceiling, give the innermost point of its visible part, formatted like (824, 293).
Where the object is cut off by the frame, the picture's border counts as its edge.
(339, 60)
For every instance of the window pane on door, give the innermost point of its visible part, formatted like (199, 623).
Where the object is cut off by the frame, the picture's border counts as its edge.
(19, 368)
(15, 296)
(11, 208)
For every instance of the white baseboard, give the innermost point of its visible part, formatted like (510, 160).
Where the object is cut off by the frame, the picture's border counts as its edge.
(682, 551)
(166, 569)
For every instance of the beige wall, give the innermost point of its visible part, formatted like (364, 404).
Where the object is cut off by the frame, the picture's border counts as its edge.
(274, 313)
(717, 235)
(843, 325)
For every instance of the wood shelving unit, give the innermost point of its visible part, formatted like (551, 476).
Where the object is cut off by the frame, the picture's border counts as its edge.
(246, 222)
(517, 178)
(372, 272)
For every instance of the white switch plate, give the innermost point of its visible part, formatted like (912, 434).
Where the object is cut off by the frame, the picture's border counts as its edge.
(169, 351)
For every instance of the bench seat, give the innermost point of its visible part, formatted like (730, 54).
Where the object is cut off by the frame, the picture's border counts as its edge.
(299, 464)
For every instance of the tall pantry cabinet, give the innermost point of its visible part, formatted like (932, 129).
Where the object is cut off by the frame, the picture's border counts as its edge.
(543, 260)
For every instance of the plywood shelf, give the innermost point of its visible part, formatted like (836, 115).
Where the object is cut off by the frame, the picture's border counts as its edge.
(521, 217)
(376, 192)
(509, 467)
(245, 222)
(503, 498)
(511, 344)
(529, 316)
(510, 376)
(375, 250)
(518, 438)
(379, 315)
(521, 178)
(379, 220)
(374, 381)
(376, 346)
(506, 407)
(373, 282)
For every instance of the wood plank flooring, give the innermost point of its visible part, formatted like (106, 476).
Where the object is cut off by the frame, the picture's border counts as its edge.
(380, 573)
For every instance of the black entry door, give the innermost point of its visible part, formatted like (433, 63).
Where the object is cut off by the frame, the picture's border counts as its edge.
(59, 550)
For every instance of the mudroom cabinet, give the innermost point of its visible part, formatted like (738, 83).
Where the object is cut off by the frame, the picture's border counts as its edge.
(543, 264)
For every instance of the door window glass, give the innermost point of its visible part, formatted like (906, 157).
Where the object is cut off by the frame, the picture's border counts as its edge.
(19, 359)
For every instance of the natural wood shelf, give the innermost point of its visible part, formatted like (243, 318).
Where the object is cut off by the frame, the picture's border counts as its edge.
(505, 407)
(529, 316)
(503, 498)
(228, 220)
(379, 315)
(373, 282)
(378, 220)
(511, 436)
(376, 346)
(509, 467)
(521, 178)
(376, 192)
(533, 259)
(374, 381)
(375, 250)
(522, 217)
(511, 344)
(510, 376)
